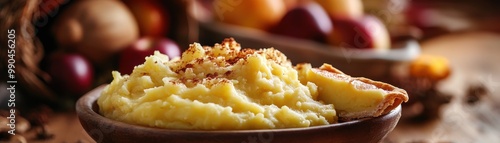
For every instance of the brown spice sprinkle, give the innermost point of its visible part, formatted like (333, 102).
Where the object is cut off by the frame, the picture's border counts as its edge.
(227, 73)
(224, 55)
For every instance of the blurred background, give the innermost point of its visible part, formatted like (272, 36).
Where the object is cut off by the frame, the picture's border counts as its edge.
(443, 52)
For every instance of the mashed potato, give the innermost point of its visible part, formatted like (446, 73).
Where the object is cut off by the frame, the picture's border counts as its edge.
(213, 88)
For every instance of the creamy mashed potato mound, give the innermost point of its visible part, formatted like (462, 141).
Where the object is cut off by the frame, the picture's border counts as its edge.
(213, 88)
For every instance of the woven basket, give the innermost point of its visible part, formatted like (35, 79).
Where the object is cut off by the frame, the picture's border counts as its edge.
(19, 16)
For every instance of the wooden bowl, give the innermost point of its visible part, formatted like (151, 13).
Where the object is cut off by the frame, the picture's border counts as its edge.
(373, 64)
(102, 129)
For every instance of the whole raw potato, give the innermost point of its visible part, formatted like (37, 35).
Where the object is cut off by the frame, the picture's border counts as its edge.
(95, 28)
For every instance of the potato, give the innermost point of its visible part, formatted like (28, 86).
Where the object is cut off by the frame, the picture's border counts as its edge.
(96, 29)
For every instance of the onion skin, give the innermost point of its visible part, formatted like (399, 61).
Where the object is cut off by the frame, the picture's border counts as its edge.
(137, 52)
(70, 73)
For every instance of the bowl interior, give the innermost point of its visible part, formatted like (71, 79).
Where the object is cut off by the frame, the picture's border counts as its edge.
(102, 129)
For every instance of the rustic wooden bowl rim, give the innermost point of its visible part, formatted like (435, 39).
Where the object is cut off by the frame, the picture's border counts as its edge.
(87, 106)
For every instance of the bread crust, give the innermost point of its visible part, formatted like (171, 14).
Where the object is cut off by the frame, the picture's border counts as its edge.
(394, 97)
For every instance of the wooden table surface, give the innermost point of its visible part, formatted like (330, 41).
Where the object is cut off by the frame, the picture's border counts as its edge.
(474, 57)
(65, 128)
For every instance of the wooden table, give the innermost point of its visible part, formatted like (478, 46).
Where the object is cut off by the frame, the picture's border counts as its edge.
(65, 128)
(474, 57)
